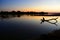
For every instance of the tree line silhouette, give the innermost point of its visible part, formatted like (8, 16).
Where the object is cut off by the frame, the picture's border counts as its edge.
(28, 13)
(19, 12)
(6, 14)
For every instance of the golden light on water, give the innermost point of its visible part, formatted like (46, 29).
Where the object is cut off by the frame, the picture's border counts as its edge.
(38, 18)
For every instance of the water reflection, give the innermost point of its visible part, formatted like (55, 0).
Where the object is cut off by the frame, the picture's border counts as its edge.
(44, 20)
(9, 16)
(25, 27)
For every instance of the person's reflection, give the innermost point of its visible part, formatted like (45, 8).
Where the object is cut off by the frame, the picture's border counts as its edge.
(43, 20)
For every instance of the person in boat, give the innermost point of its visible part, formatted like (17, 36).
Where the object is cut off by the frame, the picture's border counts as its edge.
(44, 19)
(48, 20)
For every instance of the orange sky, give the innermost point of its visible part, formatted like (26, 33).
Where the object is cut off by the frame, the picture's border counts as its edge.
(30, 5)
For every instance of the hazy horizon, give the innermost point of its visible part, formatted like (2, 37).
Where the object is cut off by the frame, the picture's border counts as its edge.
(30, 5)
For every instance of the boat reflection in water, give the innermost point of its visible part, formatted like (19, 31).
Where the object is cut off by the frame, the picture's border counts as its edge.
(55, 19)
(25, 27)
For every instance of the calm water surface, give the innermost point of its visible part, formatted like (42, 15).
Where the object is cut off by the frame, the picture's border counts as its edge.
(26, 27)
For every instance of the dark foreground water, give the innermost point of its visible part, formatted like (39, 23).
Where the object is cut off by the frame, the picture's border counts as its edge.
(26, 27)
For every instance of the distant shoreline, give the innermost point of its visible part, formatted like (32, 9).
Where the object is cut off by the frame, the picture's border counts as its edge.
(29, 13)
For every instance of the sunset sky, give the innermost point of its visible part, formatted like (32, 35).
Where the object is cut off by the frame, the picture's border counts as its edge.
(30, 5)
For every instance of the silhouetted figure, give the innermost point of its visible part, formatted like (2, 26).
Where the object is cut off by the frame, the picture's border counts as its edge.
(43, 20)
